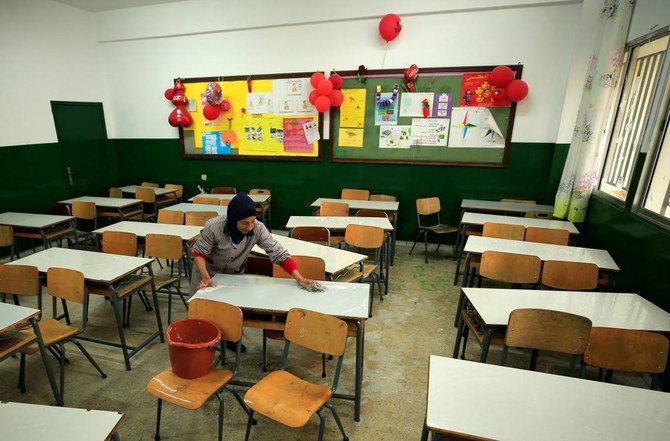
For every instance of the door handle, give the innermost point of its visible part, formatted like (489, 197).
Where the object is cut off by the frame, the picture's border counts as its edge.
(69, 175)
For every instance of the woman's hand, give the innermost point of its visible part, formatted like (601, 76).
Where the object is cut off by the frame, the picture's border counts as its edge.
(205, 283)
(305, 283)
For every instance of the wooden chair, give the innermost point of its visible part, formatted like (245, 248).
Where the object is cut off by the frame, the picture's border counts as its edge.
(224, 202)
(569, 276)
(547, 235)
(193, 393)
(371, 213)
(334, 209)
(7, 240)
(150, 184)
(359, 195)
(430, 207)
(543, 329)
(164, 246)
(20, 281)
(115, 193)
(87, 212)
(65, 284)
(179, 191)
(264, 211)
(171, 217)
(319, 235)
(626, 350)
(206, 200)
(224, 190)
(119, 242)
(371, 239)
(198, 218)
(387, 198)
(148, 197)
(288, 399)
(503, 231)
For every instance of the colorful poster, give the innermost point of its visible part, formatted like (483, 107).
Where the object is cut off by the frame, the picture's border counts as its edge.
(412, 104)
(428, 131)
(442, 105)
(291, 97)
(386, 115)
(259, 102)
(395, 137)
(348, 137)
(212, 145)
(474, 127)
(262, 133)
(311, 129)
(477, 90)
(352, 110)
(294, 136)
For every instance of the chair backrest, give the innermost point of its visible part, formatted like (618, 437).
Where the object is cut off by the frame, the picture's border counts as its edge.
(163, 246)
(364, 236)
(334, 209)
(351, 193)
(22, 280)
(150, 184)
(518, 201)
(575, 276)
(58, 209)
(227, 318)
(205, 200)
(198, 218)
(260, 191)
(119, 242)
(66, 284)
(503, 231)
(6, 235)
(171, 217)
(544, 329)
(115, 193)
(310, 267)
(84, 210)
(371, 213)
(319, 235)
(224, 190)
(316, 331)
(547, 235)
(510, 267)
(146, 194)
(179, 189)
(224, 202)
(627, 350)
(383, 197)
(427, 206)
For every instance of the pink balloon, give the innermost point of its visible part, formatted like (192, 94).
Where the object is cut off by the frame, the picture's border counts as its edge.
(322, 103)
(390, 26)
(324, 87)
(313, 95)
(517, 90)
(316, 79)
(336, 97)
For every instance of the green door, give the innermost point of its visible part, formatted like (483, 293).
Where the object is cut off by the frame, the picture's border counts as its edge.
(88, 159)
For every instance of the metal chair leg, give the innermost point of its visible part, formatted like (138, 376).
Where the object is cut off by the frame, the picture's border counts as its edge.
(415, 241)
(157, 436)
(265, 353)
(220, 397)
(337, 420)
(251, 417)
(322, 424)
(88, 356)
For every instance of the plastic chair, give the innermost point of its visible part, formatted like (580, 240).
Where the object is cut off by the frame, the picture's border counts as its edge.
(427, 207)
(115, 193)
(193, 393)
(85, 211)
(65, 284)
(224, 190)
(150, 184)
(7, 240)
(569, 276)
(359, 195)
(206, 200)
(171, 217)
(366, 238)
(148, 198)
(164, 246)
(626, 350)
(198, 218)
(543, 329)
(547, 235)
(290, 400)
(319, 235)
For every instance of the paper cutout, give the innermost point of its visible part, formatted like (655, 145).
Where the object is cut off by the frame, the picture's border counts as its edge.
(212, 145)
(428, 131)
(291, 97)
(294, 136)
(395, 137)
(352, 110)
(442, 105)
(349, 137)
(311, 129)
(411, 104)
(474, 127)
(386, 115)
(259, 102)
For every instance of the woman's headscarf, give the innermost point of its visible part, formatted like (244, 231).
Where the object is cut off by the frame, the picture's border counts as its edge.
(240, 207)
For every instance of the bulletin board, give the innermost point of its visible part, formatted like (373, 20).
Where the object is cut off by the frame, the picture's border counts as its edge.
(270, 117)
(450, 119)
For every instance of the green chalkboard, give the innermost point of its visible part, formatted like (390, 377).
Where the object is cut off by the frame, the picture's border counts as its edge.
(477, 134)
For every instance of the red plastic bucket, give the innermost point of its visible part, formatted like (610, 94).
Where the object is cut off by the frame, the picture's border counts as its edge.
(191, 345)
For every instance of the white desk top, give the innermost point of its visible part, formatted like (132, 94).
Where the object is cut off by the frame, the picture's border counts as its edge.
(158, 191)
(96, 267)
(604, 309)
(141, 229)
(268, 294)
(496, 402)
(482, 218)
(30, 220)
(477, 244)
(336, 259)
(29, 422)
(359, 205)
(221, 210)
(11, 314)
(257, 198)
(104, 202)
(338, 222)
(505, 207)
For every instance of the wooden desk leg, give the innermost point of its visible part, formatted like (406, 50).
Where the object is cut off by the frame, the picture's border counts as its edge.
(45, 360)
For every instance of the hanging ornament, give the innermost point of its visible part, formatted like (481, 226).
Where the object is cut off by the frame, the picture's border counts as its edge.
(411, 75)
(225, 106)
(214, 94)
(179, 117)
(390, 26)
(211, 112)
(229, 136)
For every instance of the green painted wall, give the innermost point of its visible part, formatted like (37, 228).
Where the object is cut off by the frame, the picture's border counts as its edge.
(295, 185)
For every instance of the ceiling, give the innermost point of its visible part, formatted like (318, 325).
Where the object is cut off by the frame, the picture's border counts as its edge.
(109, 5)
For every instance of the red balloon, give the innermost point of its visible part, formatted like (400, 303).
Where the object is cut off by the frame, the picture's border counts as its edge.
(179, 87)
(316, 79)
(336, 79)
(313, 95)
(501, 76)
(324, 87)
(336, 97)
(499, 95)
(390, 26)
(517, 90)
(179, 99)
(180, 117)
(225, 106)
(211, 112)
(322, 103)
(169, 93)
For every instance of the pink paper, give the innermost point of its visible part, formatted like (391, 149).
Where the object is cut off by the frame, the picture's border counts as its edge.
(294, 136)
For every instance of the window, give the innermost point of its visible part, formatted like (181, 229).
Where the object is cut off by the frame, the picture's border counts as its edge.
(657, 195)
(635, 107)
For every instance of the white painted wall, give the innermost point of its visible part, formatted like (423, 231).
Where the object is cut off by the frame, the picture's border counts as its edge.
(48, 51)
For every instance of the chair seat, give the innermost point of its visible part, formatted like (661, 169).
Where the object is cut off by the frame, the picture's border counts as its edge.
(129, 285)
(441, 229)
(163, 281)
(368, 269)
(52, 331)
(127, 215)
(188, 393)
(11, 344)
(350, 274)
(472, 321)
(286, 398)
(49, 235)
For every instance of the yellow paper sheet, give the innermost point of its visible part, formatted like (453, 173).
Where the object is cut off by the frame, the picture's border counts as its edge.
(259, 135)
(349, 137)
(352, 110)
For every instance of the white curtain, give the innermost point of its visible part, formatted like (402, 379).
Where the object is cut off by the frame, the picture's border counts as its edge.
(590, 136)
